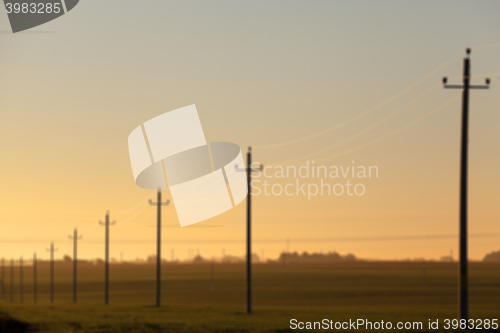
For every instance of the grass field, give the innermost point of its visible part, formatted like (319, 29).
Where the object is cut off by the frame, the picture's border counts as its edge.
(193, 302)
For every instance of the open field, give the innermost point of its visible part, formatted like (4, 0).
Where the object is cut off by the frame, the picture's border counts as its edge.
(193, 302)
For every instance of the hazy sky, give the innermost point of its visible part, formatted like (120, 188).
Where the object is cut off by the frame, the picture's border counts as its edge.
(292, 79)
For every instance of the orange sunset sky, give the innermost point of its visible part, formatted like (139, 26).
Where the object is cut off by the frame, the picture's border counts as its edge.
(340, 83)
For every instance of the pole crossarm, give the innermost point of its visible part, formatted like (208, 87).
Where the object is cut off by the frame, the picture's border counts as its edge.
(73, 238)
(259, 169)
(456, 86)
(109, 223)
(152, 203)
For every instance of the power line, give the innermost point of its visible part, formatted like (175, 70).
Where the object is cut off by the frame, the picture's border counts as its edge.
(361, 115)
(380, 138)
(138, 241)
(366, 130)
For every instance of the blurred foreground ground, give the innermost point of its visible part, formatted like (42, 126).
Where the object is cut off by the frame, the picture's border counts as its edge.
(194, 302)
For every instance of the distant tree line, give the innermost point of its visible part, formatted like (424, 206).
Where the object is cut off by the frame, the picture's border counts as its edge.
(493, 256)
(285, 257)
(305, 257)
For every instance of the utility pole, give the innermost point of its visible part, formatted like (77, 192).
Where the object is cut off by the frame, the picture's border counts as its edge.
(12, 280)
(75, 239)
(249, 171)
(283, 258)
(287, 253)
(2, 276)
(158, 204)
(21, 282)
(52, 250)
(212, 268)
(424, 273)
(463, 297)
(34, 278)
(106, 224)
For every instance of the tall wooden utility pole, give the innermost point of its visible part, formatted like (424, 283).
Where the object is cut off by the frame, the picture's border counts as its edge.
(463, 292)
(11, 280)
(34, 278)
(158, 204)
(106, 224)
(249, 171)
(52, 250)
(2, 277)
(75, 239)
(21, 281)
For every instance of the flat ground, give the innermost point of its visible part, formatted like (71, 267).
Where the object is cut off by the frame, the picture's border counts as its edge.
(194, 302)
